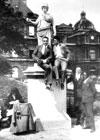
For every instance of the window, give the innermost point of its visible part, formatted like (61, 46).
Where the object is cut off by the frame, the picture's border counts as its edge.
(92, 54)
(31, 31)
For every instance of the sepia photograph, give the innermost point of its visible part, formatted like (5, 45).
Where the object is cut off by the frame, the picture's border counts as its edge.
(49, 70)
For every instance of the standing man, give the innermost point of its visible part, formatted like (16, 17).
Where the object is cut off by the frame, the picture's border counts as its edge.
(61, 56)
(43, 56)
(88, 97)
(45, 25)
(78, 98)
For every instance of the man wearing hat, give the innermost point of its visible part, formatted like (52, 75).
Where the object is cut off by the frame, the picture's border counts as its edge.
(44, 25)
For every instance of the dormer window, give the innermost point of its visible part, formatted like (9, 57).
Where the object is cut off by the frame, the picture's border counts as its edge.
(92, 54)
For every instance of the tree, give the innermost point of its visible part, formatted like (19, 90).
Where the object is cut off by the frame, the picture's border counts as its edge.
(5, 67)
(11, 29)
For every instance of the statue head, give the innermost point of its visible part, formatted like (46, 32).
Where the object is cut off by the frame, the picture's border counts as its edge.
(45, 7)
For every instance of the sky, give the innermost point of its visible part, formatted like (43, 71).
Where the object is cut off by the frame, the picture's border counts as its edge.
(68, 11)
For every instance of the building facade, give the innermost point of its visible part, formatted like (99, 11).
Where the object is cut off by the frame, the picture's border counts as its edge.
(84, 43)
(63, 31)
(29, 31)
(86, 47)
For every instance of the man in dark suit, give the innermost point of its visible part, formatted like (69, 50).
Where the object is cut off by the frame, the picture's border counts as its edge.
(43, 56)
(88, 97)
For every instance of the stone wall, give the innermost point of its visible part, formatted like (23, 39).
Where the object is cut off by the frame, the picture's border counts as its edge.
(21, 64)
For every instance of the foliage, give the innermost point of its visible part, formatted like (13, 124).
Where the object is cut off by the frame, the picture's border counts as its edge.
(11, 28)
(5, 67)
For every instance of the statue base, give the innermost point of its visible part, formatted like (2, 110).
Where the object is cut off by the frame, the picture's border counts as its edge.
(48, 105)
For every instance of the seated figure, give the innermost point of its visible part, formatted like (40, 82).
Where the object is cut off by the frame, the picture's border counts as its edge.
(7, 107)
(13, 96)
(61, 55)
(42, 55)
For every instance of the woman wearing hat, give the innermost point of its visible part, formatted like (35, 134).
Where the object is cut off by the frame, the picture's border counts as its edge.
(44, 25)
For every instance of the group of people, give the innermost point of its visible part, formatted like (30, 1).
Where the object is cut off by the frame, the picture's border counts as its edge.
(50, 53)
(51, 58)
(85, 97)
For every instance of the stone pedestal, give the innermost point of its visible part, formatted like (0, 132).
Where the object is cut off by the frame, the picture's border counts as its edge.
(49, 105)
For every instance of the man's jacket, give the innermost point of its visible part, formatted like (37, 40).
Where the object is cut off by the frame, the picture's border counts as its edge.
(37, 54)
(88, 90)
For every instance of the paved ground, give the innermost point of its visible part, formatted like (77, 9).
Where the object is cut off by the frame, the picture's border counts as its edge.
(84, 134)
(76, 133)
(45, 135)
